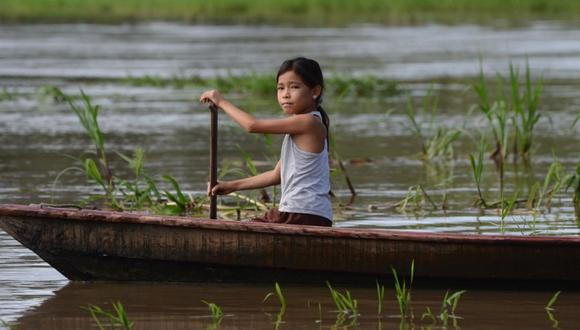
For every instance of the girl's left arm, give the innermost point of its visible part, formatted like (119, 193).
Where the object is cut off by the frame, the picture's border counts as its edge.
(290, 125)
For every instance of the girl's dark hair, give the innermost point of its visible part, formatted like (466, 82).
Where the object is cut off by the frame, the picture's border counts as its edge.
(311, 74)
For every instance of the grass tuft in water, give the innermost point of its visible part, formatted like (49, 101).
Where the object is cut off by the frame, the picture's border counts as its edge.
(549, 308)
(380, 297)
(550, 305)
(344, 302)
(116, 318)
(437, 140)
(138, 193)
(477, 170)
(282, 300)
(216, 314)
(403, 293)
(416, 200)
(447, 310)
(573, 181)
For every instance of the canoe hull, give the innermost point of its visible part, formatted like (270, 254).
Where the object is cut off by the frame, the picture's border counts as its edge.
(98, 245)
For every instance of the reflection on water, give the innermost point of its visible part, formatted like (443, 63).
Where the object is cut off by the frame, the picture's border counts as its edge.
(180, 306)
(36, 134)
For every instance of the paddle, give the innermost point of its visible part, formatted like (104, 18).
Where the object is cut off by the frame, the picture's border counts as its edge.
(213, 160)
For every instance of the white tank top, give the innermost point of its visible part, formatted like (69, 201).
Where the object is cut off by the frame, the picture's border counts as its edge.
(305, 182)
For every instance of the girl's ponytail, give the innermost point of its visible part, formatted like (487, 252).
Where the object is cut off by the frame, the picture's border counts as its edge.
(326, 122)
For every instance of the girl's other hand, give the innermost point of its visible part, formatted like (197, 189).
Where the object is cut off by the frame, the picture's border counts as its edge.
(211, 96)
(221, 188)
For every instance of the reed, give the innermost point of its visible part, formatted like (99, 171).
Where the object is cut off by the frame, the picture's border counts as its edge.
(512, 117)
(525, 104)
(550, 305)
(282, 300)
(477, 170)
(573, 181)
(496, 114)
(447, 310)
(116, 318)
(344, 302)
(417, 199)
(120, 193)
(88, 116)
(403, 293)
(216, 314)
(380, 297)
(552, 184)
(437, 142)
(506, 208)
(575, 121)
(549, 308)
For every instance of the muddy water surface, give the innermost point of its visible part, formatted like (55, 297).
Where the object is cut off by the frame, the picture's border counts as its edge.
(373, 136)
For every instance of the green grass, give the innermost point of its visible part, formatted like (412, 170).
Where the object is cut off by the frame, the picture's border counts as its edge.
(116, 318)
(403, 292)
(216, 314)
(296, 12)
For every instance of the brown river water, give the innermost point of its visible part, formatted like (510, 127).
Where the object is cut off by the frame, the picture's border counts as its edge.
(372, 135)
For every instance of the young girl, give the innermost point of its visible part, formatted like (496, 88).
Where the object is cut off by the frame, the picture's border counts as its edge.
(303, 169)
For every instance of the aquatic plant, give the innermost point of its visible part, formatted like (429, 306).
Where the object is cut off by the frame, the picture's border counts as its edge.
(416, 199)
(337, 159)
(8, 325)
(496, 113)
(575, 121)
(281, 299)
(436, 143)
(573, 181)
(552, 184)
(506, 209)
(54, 93)
(7, 95)
(118, 317)
(403, 292)
(550, 305)
(447, 310)
(549, 308)
(88, 116)
(216, 314)
(477, 170)
(380, 297)
(121, 193)
(520, 107)
(344, 302)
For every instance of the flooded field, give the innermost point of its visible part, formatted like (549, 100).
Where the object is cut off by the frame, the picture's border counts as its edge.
(373, 136)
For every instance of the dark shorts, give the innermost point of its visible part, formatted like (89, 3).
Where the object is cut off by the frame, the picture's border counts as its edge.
(275, 216)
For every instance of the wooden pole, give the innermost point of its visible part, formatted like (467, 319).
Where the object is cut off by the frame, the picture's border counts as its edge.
(213, 159)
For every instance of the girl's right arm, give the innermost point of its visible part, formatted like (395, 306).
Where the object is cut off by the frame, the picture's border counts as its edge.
(262, 180)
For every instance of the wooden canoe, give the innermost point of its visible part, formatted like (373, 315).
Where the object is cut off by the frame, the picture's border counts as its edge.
(102, 245)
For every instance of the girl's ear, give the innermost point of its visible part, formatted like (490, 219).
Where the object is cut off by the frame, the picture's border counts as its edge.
(316, 91)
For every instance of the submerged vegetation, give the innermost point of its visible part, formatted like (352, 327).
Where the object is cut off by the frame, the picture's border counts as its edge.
(319, 12)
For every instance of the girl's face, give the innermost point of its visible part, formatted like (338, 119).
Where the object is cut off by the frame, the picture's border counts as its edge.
(294, 96)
